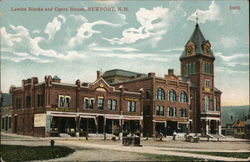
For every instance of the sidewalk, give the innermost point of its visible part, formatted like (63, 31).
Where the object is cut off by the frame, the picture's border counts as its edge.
(150, 150)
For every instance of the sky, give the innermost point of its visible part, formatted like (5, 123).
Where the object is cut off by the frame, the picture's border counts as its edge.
(141, 36)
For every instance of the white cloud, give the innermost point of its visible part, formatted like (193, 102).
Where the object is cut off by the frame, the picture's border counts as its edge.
(36, 31)
(113, 49)
(232, 57)
(86, 31)
(107, 1)
(6, 39)
(153, 24)
(54, 26)
(229, 42)
(212, 14)
(172, 50)
(21, 46)
(79, 18)
(126, 55)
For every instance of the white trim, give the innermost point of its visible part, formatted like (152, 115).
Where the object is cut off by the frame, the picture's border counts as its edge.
(209, 118)
(64, 84)
(132, 92)
(102, 80)
(39, 83)
(64, 115)
(157, 121)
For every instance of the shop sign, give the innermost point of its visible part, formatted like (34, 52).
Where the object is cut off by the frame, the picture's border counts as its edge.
(39, 120)
(131, 99)
(63, 109)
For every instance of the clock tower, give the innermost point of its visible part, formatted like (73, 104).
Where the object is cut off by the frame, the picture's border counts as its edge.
(197, 64)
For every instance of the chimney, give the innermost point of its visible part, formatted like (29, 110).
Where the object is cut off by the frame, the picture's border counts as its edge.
(138, 75)
(151, 74)
(34, 80)
(24, 82)
(98, 74)
(170, 71)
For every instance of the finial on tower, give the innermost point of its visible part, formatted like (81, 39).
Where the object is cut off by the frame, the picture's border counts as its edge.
(197, 18)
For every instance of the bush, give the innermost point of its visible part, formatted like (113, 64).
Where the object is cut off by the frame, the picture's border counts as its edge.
(26, 153)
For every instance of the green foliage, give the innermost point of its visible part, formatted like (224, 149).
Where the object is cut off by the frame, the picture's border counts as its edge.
(223, 154)
(27, 153)
(237, 112)
(155, 157)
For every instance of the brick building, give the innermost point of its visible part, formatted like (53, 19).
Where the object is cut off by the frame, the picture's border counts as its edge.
(126, 100)
(189, 102)
(51, 107)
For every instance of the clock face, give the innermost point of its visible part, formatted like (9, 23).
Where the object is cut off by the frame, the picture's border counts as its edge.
(207, 50)
(189, 50)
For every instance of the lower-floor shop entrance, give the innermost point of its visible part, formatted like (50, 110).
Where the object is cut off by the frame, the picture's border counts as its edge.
(74, 125)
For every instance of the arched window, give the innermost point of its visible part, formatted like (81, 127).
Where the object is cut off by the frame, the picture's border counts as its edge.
(206, 103)
(215, 104)
(160, 94)
(183, 97)
(148, 94)
(160, 110)
(172, 95)
(170, 111)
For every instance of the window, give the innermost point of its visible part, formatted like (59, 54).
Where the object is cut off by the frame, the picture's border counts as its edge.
(131, 106)
(190, 68)
(215, 104)
(39, 100)
(160, 94)
(9, 122)
(175, 111)
(170, 111)
(206, 103)
(160, 110)
(112, 104)
(147, 110)
(207, 68)
(148, 94)
(64, 101)
(2, 122)
(183, 113)
(172, 95)
(67, 99)
(27, 101)
(194, 67)
(89, 103)
(61, 101)
(183, 97)
(18, 103)
(207, 83)
(100, 103)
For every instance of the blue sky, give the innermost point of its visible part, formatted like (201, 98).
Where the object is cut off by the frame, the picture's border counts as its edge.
(149, 37)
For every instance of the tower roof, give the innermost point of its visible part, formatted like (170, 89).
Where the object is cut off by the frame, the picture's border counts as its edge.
(199, 40)
(56, 78)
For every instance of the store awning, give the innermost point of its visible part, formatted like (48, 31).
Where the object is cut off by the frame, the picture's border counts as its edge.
(87, 116)
(113, 117)
(64, 115)
(132, 117)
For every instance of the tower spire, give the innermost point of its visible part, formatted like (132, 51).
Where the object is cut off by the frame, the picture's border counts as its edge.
(197, 18)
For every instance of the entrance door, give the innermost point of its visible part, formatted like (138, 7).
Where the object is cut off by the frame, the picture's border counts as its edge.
(171, 127)
(213, 126)
(15, 124)
(160, 128)
(100, 124)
